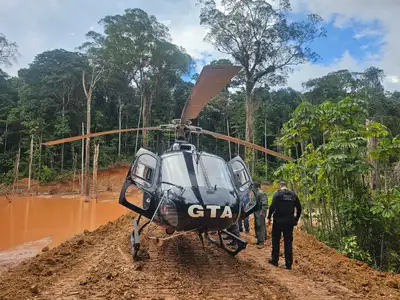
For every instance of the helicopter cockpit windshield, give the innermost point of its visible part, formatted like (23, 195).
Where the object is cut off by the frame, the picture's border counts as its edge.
(214, 172)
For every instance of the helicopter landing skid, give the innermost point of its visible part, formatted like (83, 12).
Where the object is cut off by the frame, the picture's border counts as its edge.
(135, 237)
(240, 243)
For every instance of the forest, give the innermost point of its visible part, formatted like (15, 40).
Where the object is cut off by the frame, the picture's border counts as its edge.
(342, 130)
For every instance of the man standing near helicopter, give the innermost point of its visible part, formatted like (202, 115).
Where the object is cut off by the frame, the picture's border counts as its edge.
(259, 215)
(284, 202)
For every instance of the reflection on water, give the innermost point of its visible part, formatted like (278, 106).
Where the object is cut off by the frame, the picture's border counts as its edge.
(56, 218)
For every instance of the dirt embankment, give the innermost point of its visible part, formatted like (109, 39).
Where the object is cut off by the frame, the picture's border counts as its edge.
(108, 180)
(98, 265)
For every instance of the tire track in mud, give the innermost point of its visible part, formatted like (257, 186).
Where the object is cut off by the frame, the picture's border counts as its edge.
(98, 265)
(183, 270)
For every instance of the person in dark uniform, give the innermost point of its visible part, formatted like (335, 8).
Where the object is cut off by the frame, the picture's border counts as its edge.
(282, 208)
(259, 215)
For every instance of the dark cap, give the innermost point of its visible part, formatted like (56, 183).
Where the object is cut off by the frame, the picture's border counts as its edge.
(282, 182)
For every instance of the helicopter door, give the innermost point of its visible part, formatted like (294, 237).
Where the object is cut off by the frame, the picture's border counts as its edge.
(144, 170)
(243, 182)
(143, 173)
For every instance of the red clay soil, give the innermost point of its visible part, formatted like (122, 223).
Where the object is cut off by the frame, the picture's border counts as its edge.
(108, 179)
(98, 265)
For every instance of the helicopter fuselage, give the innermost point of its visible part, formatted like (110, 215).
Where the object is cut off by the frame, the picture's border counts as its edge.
(195, 192)
(186, 190)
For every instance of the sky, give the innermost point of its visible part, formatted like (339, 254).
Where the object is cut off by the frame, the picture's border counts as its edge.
(360, 33)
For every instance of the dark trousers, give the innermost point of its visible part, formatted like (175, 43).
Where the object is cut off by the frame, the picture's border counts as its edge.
(287, 230)
(246, 225)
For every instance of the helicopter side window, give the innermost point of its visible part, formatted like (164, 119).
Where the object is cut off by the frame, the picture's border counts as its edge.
(241, 176)
(143, 170)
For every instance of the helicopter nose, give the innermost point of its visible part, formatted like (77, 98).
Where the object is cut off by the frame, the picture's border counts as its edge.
(218, 210)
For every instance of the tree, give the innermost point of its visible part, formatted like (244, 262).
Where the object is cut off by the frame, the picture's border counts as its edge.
(335, 86)
(97, 73)
(138, 46)
(59, 73)
(259, 38)
(8, 51)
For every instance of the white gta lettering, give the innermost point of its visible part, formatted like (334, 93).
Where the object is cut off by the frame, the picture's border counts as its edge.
(227, 212)
(196, 211)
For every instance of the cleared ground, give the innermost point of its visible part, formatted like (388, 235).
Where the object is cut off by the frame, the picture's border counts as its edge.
(98, 265)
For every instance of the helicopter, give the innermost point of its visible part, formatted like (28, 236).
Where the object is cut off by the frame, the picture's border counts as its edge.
(186, 190)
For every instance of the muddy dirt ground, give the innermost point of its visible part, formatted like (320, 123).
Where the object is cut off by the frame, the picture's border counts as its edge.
(98, 265)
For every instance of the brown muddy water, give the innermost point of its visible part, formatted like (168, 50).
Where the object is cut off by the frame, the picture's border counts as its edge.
(28, 224)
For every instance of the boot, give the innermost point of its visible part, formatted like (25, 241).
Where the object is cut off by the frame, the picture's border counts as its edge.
(270, 261)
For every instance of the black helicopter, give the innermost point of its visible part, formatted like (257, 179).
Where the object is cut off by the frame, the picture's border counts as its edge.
(185, 190)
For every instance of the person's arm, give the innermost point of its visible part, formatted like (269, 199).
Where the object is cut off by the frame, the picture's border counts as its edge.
(298, 208)
(263, 203)
(273, 206)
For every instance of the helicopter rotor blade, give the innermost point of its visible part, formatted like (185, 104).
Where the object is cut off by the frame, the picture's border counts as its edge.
(79, 137)
(247, 144)
(212, 79)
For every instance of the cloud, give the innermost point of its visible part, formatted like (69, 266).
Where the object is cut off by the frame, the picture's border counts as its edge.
(47, 24)
(383, 14)
(367, 32)
(309, 71)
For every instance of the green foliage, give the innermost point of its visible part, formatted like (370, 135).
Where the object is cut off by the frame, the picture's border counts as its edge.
(351, 249)
(47, 174)
(331, 176)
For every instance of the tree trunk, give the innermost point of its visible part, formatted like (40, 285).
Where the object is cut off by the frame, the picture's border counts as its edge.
(17, 166)
(88, 94)
(126, 136)
(140, 114)
(147, 114)
(5, 137)
(95, 164)
(83, 158)
(144, 125)
(374, 179)
(266, 146)
(249, 124)
(74, 161)
(229, 143)
(238, 147)
(87, 161)
(382, 248)
(51, 160)
(119, 126)
(30, 164)
(40, 155)
(62, 145)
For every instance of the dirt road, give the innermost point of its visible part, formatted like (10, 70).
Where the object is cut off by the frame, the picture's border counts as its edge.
(98, 265)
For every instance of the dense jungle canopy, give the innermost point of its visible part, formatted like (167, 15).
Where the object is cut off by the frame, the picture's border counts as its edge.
(342, 129)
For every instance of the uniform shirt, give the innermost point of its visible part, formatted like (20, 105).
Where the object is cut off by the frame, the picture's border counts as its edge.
(262, 201)
(282, 207)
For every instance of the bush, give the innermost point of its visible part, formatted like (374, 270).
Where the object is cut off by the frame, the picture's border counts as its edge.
(47, 174)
